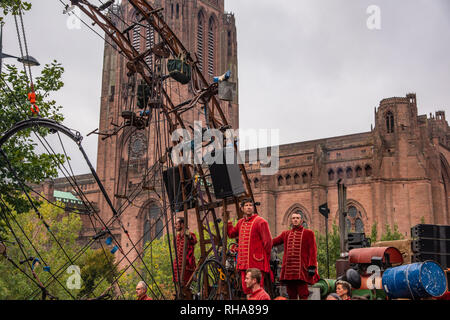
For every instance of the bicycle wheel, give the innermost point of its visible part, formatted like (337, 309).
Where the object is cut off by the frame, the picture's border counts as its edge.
(213, 282)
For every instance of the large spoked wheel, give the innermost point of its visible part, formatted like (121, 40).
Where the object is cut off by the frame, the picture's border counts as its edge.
(213, 281)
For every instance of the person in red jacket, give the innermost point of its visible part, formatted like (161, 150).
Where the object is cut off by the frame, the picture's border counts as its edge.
(182, 234)
(255, 242)
(252, 280)
(299, 260)
(141, 291)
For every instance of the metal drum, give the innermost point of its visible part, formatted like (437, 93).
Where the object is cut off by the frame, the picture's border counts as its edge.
(326, 286)
(415, 281)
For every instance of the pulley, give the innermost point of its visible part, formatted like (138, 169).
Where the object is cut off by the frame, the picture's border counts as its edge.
(131, 119)
(161, 51)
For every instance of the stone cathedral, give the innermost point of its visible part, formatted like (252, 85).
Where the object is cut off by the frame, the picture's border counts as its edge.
(398, 173)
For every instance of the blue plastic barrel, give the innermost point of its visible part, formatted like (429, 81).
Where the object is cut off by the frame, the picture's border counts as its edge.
(415, 281)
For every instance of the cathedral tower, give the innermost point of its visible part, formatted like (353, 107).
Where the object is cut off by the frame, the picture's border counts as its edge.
(209, 34)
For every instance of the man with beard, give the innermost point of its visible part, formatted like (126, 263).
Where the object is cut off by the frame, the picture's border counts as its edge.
(255, 243)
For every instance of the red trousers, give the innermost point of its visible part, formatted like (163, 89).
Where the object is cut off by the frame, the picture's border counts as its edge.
(296, 289)
(244, 286)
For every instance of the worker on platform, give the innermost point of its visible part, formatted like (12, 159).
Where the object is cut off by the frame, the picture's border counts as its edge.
(190, 265)
(255, 243)
(299, 266)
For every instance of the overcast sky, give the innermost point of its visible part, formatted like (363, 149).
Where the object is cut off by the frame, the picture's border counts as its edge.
(311, 68)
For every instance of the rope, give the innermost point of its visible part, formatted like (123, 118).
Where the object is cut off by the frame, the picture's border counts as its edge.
(145, 248)
(20, 46)
(98, 34)
(17, 240)
(26, 47)
(32, 245)
(32, 203)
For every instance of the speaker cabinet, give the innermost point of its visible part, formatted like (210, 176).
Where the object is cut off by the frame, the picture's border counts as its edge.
(430, 231)
(172, 182)
(442, 259)
(357, 240)
(431, 246)
(226, 177)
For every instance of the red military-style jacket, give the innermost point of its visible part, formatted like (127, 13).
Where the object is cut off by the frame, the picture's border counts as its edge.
(255, 243)
(190, 258)
(300, 252)
(259, 294)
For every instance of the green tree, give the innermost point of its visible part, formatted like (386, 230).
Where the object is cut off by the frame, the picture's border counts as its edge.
(374, 233)
(96, 266)
(156, 259)
(13, 6)
(15, 85)
(39, 242)
(333, 248)
(30, 166)
(390, 235)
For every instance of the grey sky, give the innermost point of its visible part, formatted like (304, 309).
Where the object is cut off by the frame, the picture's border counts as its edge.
(309, 68)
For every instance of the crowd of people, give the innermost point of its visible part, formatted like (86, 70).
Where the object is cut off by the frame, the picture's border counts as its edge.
(299, 266)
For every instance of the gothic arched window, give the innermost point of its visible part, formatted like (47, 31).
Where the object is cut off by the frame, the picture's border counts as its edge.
(288, 180)
(359, 225)
(368, 169)
(153, 223)
(390, 122)
(149, 43)
(330, 175)
(349, 173)
(358, 171)
(340, 173)
(256, 182)
(280, 181)
(304, 178)
(137, 37)
(297, 179)
(354, 222)
(200, 39)
(211, 46)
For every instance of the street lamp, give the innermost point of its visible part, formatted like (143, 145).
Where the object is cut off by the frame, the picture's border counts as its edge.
(26, 60)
